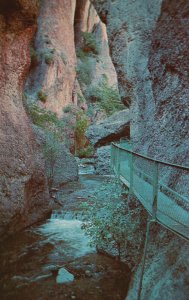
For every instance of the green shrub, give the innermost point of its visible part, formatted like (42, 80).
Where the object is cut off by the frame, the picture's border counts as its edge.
(51, 150)
(89, 46)
(81, 125)
(90, 111)
(81, 54)
(89, 43)
(42, 96)
(48, 58)
(81, 99)
(42, 117)
(86, 53)
(68, 109)
(84, 71)
(85, 152)
(104, 217)
(107, 97)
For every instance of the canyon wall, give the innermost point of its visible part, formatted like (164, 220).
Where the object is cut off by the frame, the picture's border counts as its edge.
(53, 74)
(38, 64)
(23, 187)
(87, 20)
(148, 43)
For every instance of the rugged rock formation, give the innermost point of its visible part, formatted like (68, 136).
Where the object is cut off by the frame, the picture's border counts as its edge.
(154, 65)
(149, 42)
(87, 20)
(54, 75)
(102, 161)
(65, 169)
(110, 130)
(166, 269)
(23, 186)
(129, 26)
(168, 138)
(100, 135)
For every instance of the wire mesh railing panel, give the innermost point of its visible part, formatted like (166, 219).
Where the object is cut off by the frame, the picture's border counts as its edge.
(113, 150)
(115, 160)
(173, 203)
(125, 162)
(143, 179)
(161, 187)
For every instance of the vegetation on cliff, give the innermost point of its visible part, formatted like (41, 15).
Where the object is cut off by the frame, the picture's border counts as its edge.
(105, 96)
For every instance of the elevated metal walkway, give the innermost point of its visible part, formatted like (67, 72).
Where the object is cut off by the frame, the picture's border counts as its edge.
(156, 184)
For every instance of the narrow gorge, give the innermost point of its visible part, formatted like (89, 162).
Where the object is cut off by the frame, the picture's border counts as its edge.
(94, 133)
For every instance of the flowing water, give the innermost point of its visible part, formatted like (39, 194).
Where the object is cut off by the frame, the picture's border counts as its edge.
(53, 260)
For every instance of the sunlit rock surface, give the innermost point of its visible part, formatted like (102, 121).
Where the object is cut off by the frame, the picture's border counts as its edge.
(23, 186)
(54, 74)
(87, 20)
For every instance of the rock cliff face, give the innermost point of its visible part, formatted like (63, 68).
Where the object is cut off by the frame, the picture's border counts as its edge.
(87, 20)
(168, 66)
(44, 48)
(23, 187)
(129, 27)
(54, 72)
(166, 270)
(149, 42)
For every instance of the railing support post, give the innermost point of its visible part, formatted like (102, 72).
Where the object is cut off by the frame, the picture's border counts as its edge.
(144, 257)
(155, 189)
(118, 167)
(112, 158)
(131, 173)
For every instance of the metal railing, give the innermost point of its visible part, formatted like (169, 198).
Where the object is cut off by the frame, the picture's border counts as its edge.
(161, 187)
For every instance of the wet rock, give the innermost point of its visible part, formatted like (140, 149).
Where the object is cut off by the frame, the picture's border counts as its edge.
(64, 276)
(110, 129)
(86, 166)
(41, 277)
(88, 273)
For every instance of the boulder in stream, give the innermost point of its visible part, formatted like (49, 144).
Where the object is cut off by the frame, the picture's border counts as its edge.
(64, 276)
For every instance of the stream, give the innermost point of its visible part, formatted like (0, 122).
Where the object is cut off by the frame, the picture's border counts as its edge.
(54, 260)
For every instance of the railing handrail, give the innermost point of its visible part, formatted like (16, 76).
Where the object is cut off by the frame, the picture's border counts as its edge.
(157, 203)
(152, 159)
